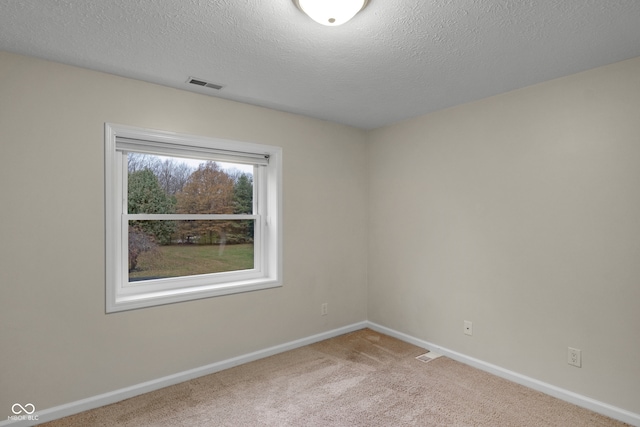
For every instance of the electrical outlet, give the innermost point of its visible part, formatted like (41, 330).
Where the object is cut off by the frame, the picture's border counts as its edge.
(324, 309)
(575, 357)
(468, 327)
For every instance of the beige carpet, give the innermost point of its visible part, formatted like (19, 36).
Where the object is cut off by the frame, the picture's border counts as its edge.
(359, 379)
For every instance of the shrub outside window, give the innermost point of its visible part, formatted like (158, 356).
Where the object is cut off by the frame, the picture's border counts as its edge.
(188, 217)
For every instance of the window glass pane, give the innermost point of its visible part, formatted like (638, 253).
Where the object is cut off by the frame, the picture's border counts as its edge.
(161, 249)
(166, 185)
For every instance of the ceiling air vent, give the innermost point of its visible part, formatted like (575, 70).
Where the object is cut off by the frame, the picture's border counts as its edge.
(201, 82)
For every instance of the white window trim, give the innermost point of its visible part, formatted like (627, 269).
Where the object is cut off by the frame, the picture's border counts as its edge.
(267, 273)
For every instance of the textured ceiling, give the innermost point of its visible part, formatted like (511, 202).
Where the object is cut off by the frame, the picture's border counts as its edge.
(395, 60)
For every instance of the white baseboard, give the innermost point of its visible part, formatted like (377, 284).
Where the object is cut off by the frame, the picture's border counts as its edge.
(146, 387)
(562, 394)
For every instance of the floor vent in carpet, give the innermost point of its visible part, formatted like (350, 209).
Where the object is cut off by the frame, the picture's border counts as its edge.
(428, 356)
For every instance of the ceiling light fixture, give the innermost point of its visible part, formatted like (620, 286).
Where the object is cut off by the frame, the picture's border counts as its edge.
(331, 12)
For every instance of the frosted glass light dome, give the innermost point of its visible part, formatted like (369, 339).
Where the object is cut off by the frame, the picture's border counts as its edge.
(331, 12)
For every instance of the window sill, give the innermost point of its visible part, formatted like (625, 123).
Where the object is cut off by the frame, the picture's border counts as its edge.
(154, 298)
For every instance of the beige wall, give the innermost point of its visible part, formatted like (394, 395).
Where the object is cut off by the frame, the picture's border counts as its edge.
(520, 213)
(56, 343)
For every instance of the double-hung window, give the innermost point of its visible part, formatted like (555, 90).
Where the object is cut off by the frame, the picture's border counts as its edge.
(188, 217)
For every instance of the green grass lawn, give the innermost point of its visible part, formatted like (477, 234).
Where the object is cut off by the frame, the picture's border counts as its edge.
(187, 260)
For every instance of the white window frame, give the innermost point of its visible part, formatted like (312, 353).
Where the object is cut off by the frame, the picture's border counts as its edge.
(267, 272)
